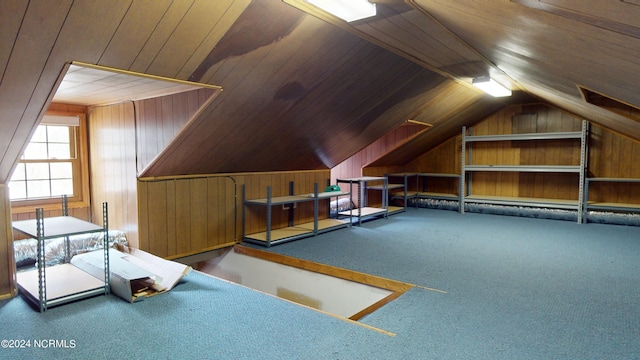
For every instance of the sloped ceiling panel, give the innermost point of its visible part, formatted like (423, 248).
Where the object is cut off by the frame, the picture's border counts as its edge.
(49, 34)
(39, 39)
(449, 108)
(551, 47)
(305, 102)
(304, 92)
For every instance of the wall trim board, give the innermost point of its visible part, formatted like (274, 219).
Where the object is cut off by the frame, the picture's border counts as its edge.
(193, 176)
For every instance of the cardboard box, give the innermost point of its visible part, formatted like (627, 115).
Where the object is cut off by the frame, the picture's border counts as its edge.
(135, 274)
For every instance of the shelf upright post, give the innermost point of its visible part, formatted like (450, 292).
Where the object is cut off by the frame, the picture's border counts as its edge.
(385, 196)
(42, 278)
(291, 206)
(361, 199)
(316, 204)
(462, 172)
(268, 237)
(67, 241)
(584, 148)
(351, 203)
(585, 202)
(244, 215)
(107, 270)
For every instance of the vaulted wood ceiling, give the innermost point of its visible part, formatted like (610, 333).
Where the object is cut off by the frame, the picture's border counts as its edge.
(302, 90)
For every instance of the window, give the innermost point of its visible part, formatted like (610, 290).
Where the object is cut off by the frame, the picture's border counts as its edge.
(50, 166)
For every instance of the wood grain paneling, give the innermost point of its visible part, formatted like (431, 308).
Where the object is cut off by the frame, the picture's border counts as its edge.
(613, 156)
(112, 139)
(280, 182)
(160, 119)
(30, 33)
(526, 119)
(192, 214)
(300, 88)
(7, 260)
(356, 165)
(610, 155)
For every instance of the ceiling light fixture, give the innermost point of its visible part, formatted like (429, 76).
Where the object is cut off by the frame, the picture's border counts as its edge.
(491, 87)
(348, 10)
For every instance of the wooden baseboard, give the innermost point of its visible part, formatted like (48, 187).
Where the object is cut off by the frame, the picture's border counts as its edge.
(7, 296)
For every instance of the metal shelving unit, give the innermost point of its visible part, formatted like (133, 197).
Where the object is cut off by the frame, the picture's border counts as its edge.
(420, 190)
(624, 207)
(425, 194)
(363, 211)
(294, 231)
(405, 194)
(580, 169)
(48, 286)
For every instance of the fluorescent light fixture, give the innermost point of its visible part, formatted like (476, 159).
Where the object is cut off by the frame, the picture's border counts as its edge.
(348, 10)
(491, 87)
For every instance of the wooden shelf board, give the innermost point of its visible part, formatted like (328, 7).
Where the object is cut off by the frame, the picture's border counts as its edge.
(523, 201)
(324, 224)
(611, 179)
(389, 187)
(279, 200)
(428, 194)
(395, 209)
(439, 175)
(401, 194)
(613, 205)
(365, 211)
(279, 234)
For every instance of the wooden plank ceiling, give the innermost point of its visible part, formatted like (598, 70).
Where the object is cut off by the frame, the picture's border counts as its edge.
(302, 90)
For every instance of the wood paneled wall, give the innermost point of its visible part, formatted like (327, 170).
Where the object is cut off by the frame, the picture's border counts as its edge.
(186, 215)
(113, 167)
(610, 155)
(353, 166)
(444, 158)
(527, 119)
(615, 156)
(7, 260)
(160, 119)
(126, 137)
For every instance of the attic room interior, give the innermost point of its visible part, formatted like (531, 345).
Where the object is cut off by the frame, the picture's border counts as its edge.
(503, 226)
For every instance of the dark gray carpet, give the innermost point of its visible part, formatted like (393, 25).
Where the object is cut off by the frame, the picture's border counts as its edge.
(516, 288)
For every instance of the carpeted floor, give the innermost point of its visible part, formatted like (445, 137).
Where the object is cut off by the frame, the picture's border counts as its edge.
(517, 288)
(511, 288)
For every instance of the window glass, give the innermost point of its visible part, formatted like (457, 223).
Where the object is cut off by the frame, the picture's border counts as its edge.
(46, 168)
(59, 151)
(61, 187)
(19, 174)
(18, 189)
(38, 188)
(61, 170)
(58, 134)
(37, 171)
(35, 151)
(40, 135)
